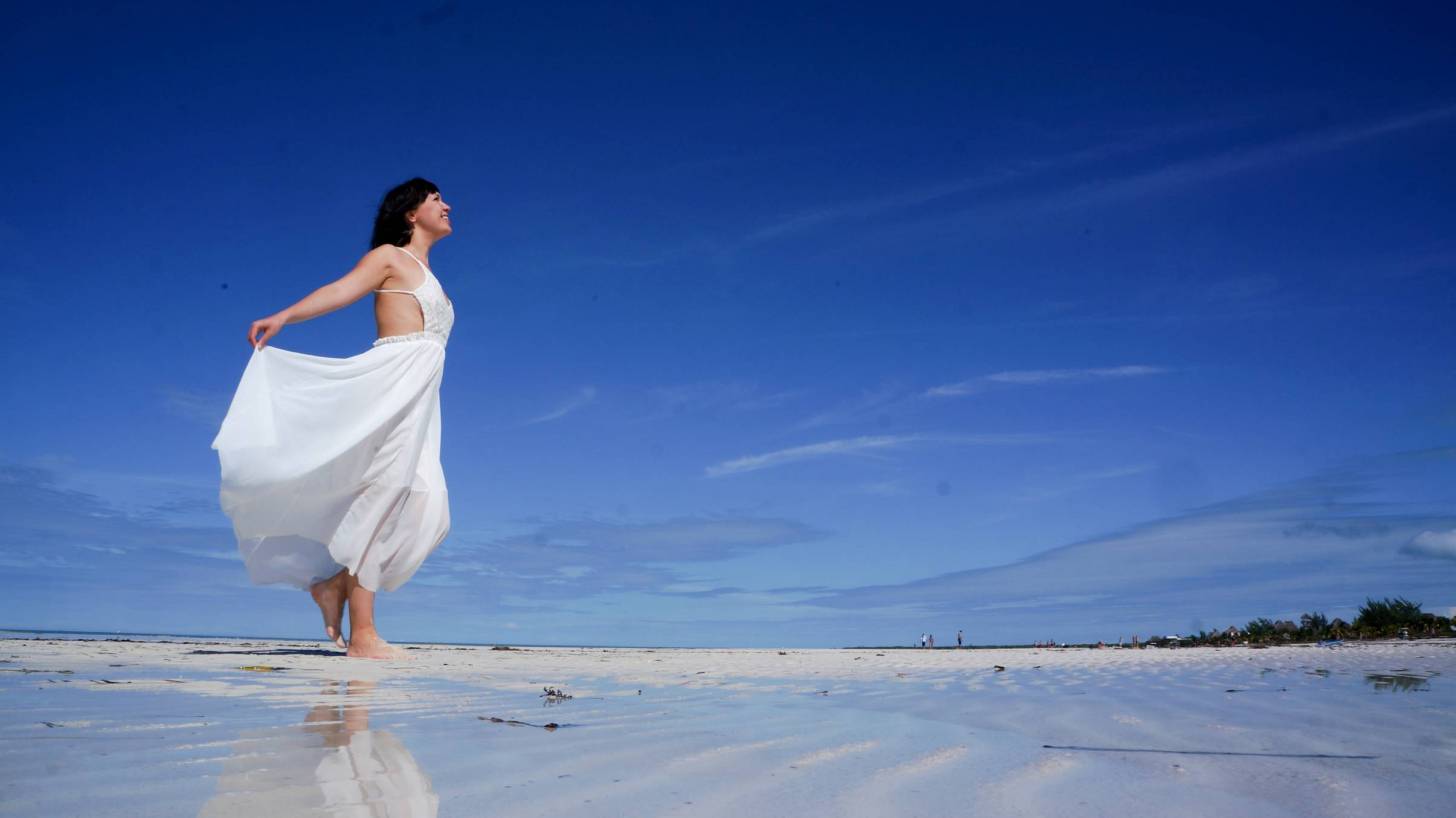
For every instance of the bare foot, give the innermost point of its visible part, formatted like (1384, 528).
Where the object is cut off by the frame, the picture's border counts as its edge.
(330, 595)
(367, 644)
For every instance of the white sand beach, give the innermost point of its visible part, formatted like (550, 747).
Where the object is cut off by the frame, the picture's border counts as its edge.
(222, 727)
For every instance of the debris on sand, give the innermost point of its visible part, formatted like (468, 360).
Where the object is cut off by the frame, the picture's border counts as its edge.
(550, 725)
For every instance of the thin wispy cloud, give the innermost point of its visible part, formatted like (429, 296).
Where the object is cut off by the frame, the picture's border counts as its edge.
(872, 206)
(118, 554)
(862, 445)
(176, 499)
(1188, 172)
(102, 549)
(1010, 172)
(794, 454)
(580, 558)
(200, 407)
(683, 539)
(36, 562)
(120, 558)
(878, 402)
(1041, 377)
(708, 397)
(583, 397)
(1168, 178)
(1311, 544)
(1072, 484)
(226, 554)
(885, 403)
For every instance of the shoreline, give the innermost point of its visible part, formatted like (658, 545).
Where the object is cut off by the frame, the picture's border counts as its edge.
(127, 636)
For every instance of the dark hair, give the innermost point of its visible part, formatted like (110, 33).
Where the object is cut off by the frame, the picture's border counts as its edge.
(391, 226)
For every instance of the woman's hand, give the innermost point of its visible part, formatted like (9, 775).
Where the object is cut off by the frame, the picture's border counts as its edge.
(265, 328)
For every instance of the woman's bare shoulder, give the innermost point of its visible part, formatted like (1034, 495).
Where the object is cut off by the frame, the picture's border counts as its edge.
(381, 260)
(373, 269)
(383, 254)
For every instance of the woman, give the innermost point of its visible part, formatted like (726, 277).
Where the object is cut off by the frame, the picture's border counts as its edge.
(331, 466)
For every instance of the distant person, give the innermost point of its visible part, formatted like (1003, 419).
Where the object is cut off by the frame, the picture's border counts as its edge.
(923, 638)
(331, 466)
(959, 634)
(932, 641)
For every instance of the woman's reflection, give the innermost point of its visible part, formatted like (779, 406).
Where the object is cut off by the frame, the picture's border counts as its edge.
(333, 765)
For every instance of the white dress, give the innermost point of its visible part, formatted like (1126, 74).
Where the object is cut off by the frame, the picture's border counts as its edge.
(332, 463)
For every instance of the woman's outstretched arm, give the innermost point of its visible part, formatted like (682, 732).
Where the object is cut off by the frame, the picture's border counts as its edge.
(366, 277)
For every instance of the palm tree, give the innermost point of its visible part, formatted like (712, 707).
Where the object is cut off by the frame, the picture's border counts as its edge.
(1313, 626)
(1259, 630)
(1387, 616)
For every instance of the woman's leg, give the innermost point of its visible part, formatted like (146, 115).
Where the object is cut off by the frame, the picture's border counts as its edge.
(330, 594)
(364, 640)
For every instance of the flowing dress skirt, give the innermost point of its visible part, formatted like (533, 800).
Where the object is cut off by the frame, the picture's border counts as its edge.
(332, 463)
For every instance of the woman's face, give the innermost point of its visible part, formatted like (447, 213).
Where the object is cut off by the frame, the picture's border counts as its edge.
(433, 216)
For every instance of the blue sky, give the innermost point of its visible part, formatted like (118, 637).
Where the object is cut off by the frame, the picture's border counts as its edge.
(774, 327)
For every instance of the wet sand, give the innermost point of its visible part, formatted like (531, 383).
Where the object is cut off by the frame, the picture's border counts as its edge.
(233, 727)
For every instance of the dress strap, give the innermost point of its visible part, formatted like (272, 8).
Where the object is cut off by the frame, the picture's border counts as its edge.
(417, 261)
(426, 270)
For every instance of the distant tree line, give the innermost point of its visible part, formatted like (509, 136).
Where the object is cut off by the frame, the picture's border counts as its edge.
(1376, 619)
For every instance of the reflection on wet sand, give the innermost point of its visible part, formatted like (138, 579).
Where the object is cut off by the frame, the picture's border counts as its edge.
(332, 764)
(1402, 682)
